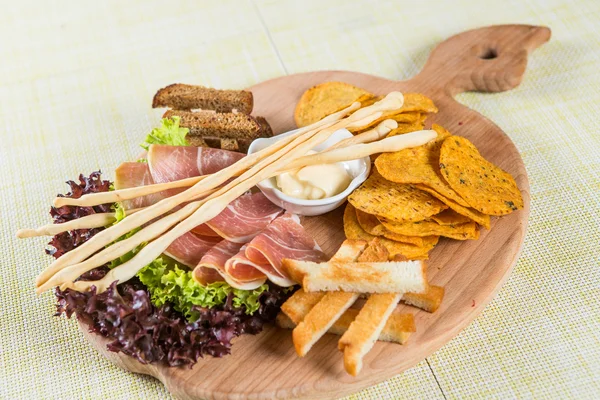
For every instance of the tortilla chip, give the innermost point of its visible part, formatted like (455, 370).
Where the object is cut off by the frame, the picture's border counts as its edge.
(480, 218)
(375, 252)
(373, 226)
(428, 228)
(324, 99)
(418, 102)
(484, 186)
(369, 223)
(367, 100)
(419, 165)
(450, 217)
(406, 118)
(406, 128)
(394, 201)
(353, 230)
(415, 240)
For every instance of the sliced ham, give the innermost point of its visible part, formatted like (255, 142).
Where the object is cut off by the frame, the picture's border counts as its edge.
(241, 273)
(189, 248)
(283, 238)
(133, 174)
(204, 230)
(212, 267)
(172, 163)
(245, 217)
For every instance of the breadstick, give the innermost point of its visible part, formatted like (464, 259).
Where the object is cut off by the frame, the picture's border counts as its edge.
(94, 199)
(379, 132)
(87, 222)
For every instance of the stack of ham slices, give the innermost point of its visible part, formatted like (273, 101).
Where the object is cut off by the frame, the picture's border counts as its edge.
(245, 244)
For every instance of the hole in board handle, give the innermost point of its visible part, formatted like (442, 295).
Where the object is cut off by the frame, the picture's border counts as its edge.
(488, 54)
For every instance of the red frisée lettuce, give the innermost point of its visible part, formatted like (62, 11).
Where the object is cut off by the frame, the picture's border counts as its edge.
(161, 315)
(66, 241)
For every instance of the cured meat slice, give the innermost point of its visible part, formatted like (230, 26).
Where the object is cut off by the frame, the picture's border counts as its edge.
(242, 273)
(283, 238)
(189, 248)
(212, 265)
(245, 217)
(133, 174)
(204, 230)
(172, 163)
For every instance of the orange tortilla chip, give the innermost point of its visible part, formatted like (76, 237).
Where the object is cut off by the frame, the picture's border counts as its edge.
(406, 128)
(484, 186)
(370, 223)
(419, 165)
(375, 252)
(416, 240)
(480, 218)
(353, 230)
(428, 228)
(324, 99)
(394, 201)
(450, 217)
(418, 102)
(373, 226)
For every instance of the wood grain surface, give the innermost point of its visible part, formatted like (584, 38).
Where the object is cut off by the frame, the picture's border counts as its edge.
(265, 366)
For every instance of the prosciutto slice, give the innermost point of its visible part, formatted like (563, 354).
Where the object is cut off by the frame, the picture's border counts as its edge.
(189, 248)
(283, 238)
(245, 217)
(212, 267)
(204, 230)
(242, 273)
(172, 163)
(133, 174)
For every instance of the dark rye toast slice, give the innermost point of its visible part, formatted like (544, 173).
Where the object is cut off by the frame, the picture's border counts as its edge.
(180, 96)
(222, 125)
(240, 145)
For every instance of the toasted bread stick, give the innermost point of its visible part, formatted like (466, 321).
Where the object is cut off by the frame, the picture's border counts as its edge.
(301, 302)
(359, 277)
(320, 318)
(396, 330)
(365, 329)
(429, 301)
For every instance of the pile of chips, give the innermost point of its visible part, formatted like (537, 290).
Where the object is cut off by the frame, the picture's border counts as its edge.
(415, 196)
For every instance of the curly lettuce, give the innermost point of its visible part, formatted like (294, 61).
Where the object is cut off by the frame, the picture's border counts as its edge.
(169, 133)
(170, 284)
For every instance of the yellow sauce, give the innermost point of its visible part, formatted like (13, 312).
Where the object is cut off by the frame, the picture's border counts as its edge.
(314, 181)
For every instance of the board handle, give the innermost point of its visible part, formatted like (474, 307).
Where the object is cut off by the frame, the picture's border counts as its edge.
(491, 59)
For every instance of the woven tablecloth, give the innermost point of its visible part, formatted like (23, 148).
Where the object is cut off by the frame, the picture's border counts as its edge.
(76, 82)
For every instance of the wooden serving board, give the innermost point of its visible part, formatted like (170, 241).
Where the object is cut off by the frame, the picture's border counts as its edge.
(265, 366)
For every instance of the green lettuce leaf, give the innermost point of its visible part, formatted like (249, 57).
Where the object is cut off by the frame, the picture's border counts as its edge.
(168, 133)
(121, 213)
(166, 282)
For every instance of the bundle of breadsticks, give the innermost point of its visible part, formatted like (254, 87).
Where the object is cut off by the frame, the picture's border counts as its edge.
(160, 224)
(330, 289)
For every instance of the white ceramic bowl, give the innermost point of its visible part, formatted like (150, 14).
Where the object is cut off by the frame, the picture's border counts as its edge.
(358, 170)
